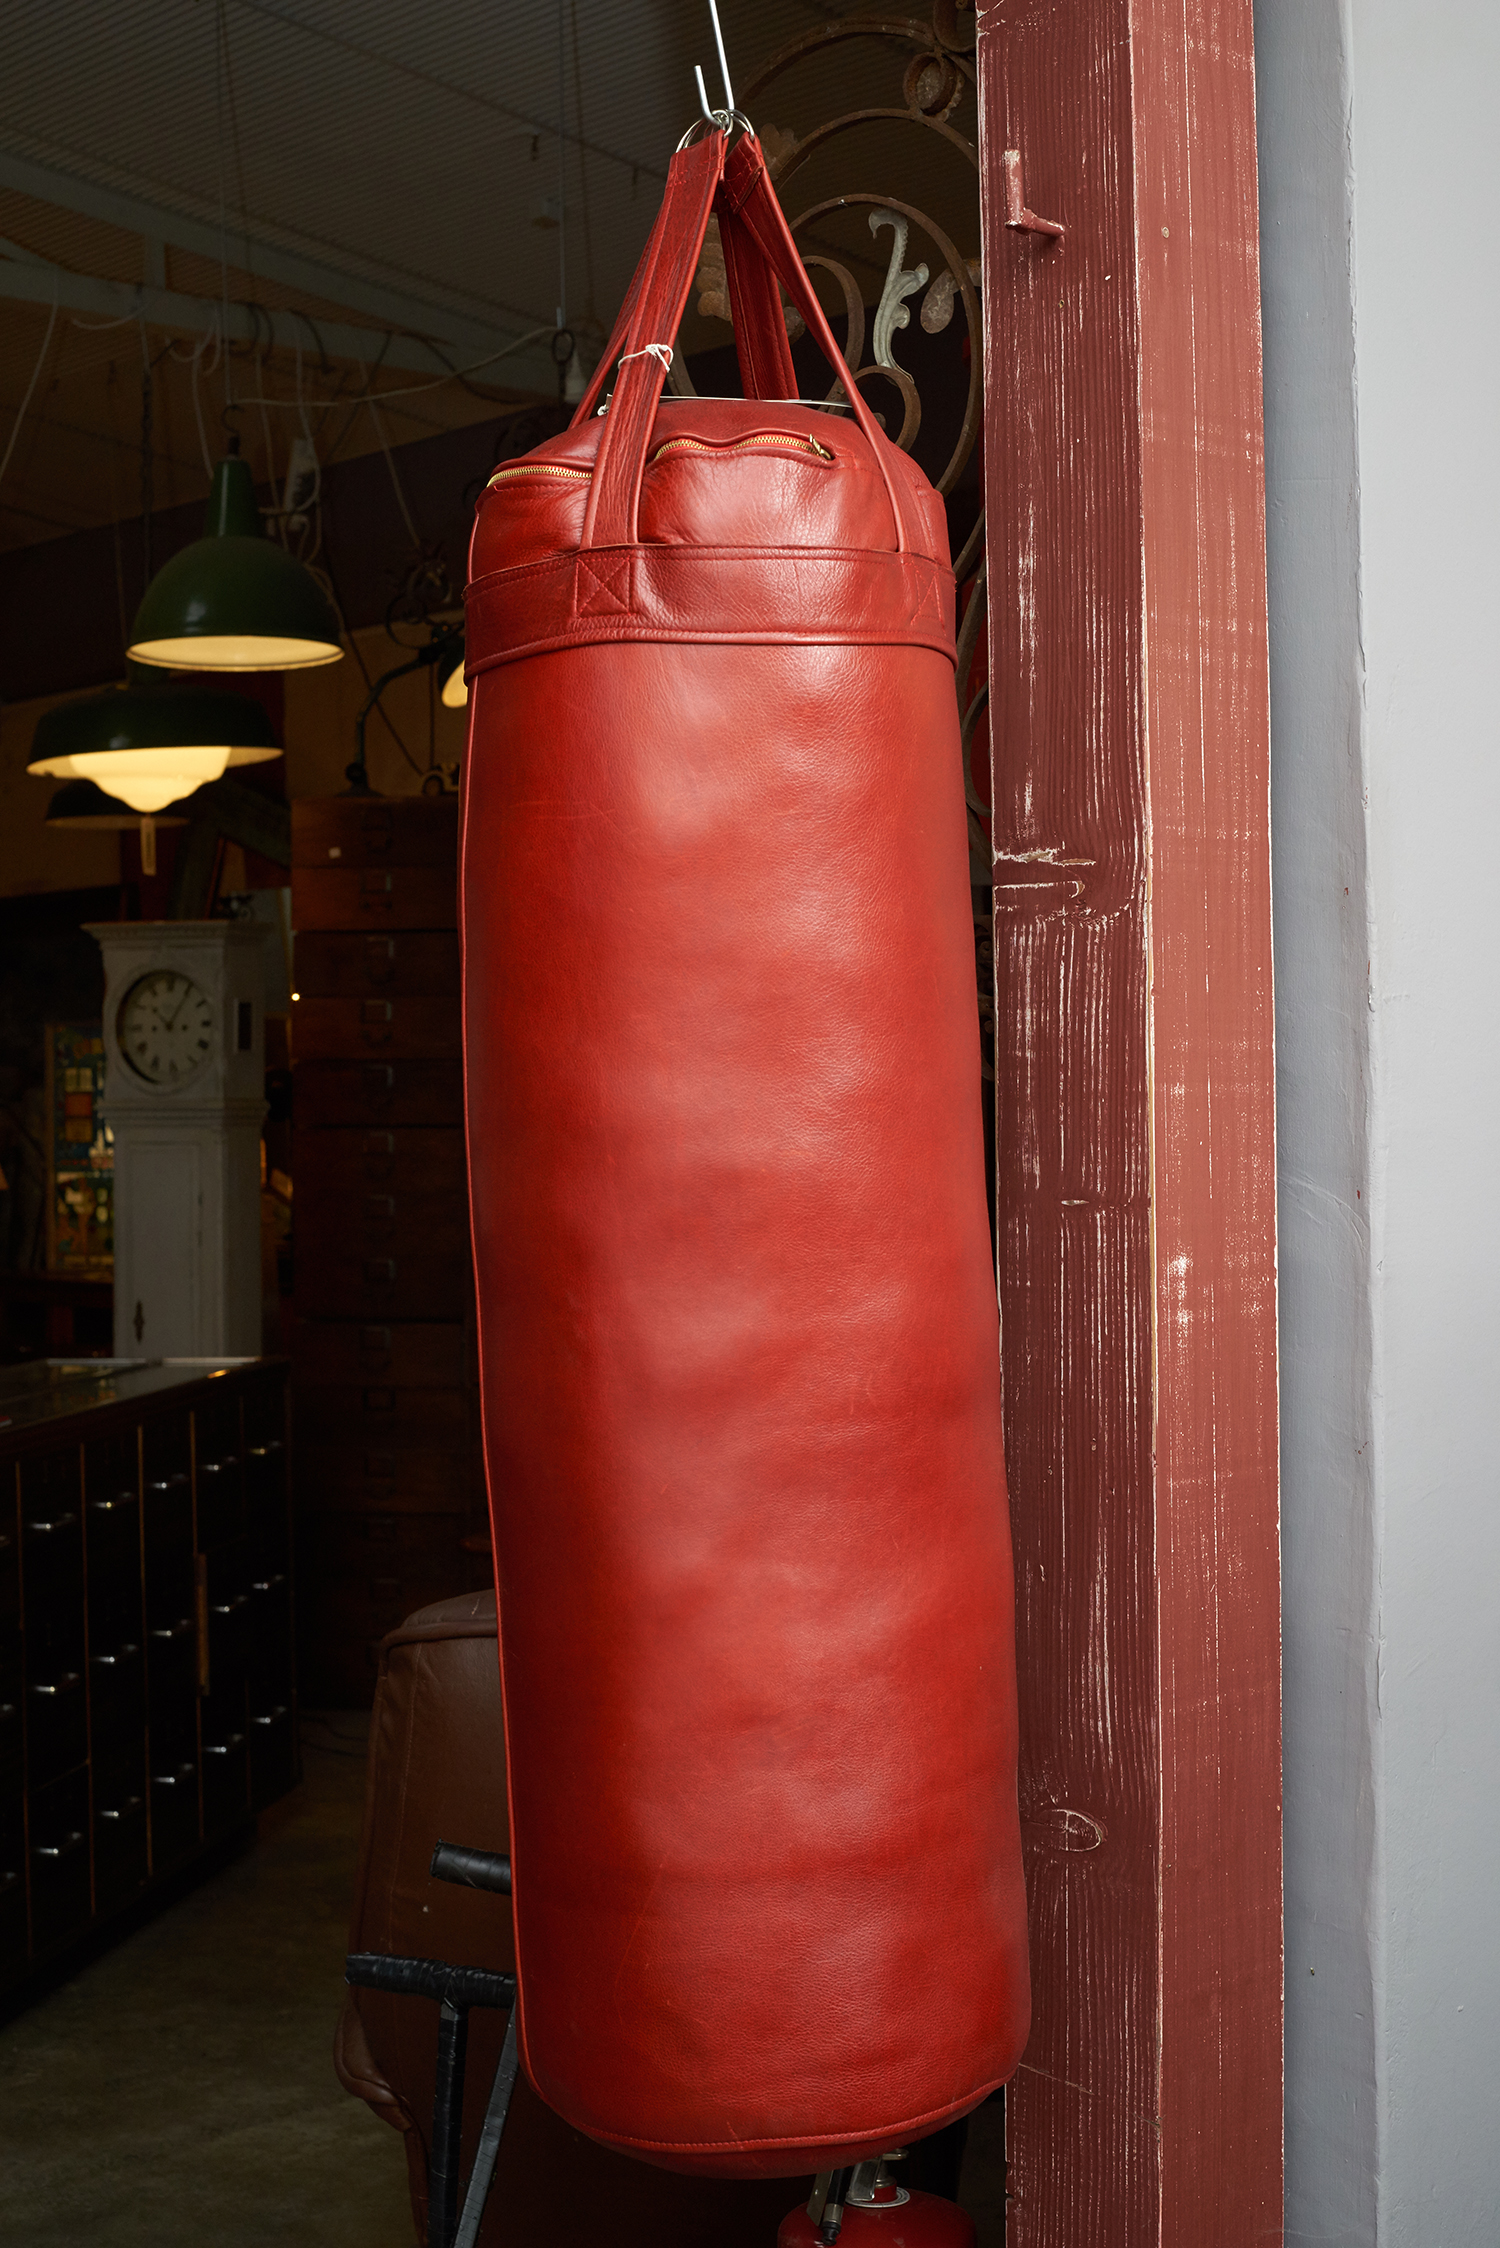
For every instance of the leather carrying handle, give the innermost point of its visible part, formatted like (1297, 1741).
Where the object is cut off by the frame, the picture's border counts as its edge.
(760, 336)
(759, 251)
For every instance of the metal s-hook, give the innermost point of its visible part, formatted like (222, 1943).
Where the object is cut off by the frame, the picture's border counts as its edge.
(728, 116)
(723, 58)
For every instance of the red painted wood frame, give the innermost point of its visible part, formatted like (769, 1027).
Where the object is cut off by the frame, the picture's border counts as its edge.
(1136, 1132)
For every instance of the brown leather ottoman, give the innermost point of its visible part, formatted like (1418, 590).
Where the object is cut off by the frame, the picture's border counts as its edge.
(437, 1773)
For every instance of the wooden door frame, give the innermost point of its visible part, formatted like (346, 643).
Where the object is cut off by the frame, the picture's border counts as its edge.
(1135, 1113)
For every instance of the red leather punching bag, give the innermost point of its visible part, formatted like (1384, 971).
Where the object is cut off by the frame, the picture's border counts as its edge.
(738, 1331)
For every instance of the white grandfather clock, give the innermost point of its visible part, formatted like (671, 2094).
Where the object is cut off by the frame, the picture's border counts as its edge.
(184, 1096)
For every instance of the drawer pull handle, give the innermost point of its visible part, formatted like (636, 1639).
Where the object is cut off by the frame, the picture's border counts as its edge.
(269, 1584)
(179, 1630)
(58, 1522)
(167, 1483)
(270, 1716)
(112, 1506)
(125, 1810)
(224, 1748)
(232, 1605)
(62, 1685)
(124, 1655)
(184, 1776)
(59, 1849)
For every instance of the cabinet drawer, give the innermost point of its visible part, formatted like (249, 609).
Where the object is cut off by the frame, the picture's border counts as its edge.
(348, 1548)
(226, 1759)
(117, 1693)
(398, 1220)
(52, 1559)
(59, 1827)
(57, 1734)
(122, 1857)
(172, 1803)
(430, 1355)
(112, 1513)
(273, 1752)
(10, 1563)
(342, 964)
(12, 1875)
(375, 1478)
(356, 1283)
(357, 832)
(374, 1413)
(427, 1029)
(373, 897)
(378, 1093)
(416, 1162)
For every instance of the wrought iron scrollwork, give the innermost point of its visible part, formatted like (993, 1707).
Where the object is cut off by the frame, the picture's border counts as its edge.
(935, 57)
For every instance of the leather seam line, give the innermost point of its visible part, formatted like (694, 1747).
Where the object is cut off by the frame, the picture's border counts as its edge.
(891, 2131)
(622, 631)
(674, 552)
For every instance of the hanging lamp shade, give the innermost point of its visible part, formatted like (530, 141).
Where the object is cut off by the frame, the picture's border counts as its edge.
(455, 687)
(235, 600)
(83, 804)
(149, 746)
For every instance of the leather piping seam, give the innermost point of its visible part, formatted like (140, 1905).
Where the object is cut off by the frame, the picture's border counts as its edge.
(893, 2133)
(623, 631)
(660, 550)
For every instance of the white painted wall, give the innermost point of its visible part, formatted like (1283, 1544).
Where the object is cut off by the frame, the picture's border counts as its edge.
(1380, 186)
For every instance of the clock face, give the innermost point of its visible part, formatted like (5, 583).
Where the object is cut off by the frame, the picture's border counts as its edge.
(165, 1027)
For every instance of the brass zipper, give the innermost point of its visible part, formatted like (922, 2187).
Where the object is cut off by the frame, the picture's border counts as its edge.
(786, 441)
(541, 468)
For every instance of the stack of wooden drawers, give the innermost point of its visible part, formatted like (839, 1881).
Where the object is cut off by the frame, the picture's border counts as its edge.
(147, 1709)
(390, 1483)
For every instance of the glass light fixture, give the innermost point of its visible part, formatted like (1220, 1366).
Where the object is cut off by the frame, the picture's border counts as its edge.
(148, 747)
(83, 804)
(456, 687)
(235, 600)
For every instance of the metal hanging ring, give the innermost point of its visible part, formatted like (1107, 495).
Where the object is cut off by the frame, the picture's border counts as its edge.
(724, 120)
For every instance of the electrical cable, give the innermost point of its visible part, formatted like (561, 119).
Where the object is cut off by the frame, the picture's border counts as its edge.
(416, 389)
(391, 465)
(41, 358)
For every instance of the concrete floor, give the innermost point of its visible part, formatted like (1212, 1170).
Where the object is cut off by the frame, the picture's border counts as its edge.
(180, 2091)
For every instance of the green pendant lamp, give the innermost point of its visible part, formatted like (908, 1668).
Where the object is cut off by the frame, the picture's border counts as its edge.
(235, 600)
(148, 747)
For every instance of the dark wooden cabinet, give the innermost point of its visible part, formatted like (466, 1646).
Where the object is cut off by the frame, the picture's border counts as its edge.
(390, 1486)
(147, 1698)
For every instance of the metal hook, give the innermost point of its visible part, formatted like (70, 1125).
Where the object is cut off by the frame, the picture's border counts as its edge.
(723, 58)
(726, 116)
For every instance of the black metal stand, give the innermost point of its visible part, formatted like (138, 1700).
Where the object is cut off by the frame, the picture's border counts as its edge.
(456, 1990)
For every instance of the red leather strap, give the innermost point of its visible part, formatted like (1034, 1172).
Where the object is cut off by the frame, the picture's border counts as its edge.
(758, 250)
(669, 264)
(760, 338)
(747, 193)
(606, 367)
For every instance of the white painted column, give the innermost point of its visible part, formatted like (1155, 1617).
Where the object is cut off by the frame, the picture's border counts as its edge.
(1379, 164)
